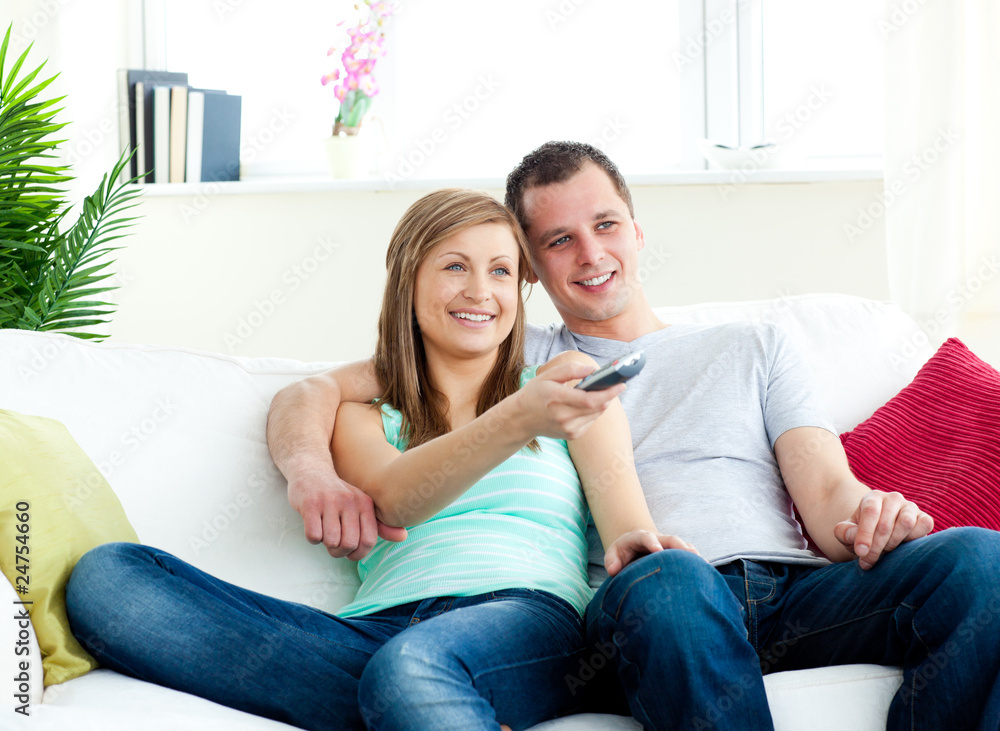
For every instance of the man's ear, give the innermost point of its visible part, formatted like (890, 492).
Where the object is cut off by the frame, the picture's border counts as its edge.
(639, 236)
(529, 272)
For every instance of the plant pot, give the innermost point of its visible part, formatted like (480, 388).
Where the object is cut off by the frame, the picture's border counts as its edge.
(348, 156)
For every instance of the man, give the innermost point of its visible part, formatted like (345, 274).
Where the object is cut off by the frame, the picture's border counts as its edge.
(727, 437)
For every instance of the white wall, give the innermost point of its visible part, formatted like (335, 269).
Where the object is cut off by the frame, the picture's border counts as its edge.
(301, 274)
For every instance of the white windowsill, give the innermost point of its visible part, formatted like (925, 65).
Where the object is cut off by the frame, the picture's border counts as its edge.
(321, 184)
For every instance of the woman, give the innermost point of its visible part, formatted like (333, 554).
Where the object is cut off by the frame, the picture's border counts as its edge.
(475, 619)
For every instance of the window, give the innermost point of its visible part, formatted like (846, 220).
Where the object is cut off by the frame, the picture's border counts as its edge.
(824, 90)
(469, 88)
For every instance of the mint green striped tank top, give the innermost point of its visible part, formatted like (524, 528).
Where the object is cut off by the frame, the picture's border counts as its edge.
(523, 525)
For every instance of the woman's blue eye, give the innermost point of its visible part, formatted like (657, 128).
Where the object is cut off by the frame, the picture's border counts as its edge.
(453, 266)
(502, 270)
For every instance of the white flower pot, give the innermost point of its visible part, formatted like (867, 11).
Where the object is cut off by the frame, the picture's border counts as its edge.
(348, 156)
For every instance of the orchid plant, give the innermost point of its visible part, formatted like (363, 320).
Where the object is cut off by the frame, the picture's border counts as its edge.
(353, 79)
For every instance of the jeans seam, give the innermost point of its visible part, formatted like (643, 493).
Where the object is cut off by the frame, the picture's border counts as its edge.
(773, 585)
(752, 606)
(285, 625)
(913, 680)
(797, 638)
(497, 668)
(447, 607)
(618, 609)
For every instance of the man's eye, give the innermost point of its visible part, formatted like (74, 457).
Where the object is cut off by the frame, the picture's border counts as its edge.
(605, 224)
(560, 240)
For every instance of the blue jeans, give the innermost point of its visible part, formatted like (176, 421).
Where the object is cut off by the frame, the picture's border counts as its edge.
(690, 643)
(446, 663)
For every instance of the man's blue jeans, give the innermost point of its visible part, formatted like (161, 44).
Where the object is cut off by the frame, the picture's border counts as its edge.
(462, 662)
(690, 643)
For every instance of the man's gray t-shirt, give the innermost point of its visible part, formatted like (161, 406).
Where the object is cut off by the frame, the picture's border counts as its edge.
(704, 415)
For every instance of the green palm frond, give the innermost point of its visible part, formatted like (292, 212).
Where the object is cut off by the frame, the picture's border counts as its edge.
(51, 277)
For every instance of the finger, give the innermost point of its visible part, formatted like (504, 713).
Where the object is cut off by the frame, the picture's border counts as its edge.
(312, 522)
(612, 560)
(650, 542)
(368, 535)
(568, 372)
(906, 521)
(601, 399)
(846, 531)
(391, 532)
(892, 504)
(638, 543)
(331, 535)
(677, 543)
(869, 511)
(350, 524)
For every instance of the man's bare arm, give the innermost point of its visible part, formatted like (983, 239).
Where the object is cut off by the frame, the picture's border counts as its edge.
(299, 431)
(844, 517)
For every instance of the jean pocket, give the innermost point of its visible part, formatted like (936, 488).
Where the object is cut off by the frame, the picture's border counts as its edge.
(519, 593)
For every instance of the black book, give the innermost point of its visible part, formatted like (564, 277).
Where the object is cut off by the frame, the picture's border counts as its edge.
(219, 132)
(127, 113)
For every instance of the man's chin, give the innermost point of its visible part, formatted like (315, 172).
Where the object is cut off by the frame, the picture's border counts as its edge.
(590, 312)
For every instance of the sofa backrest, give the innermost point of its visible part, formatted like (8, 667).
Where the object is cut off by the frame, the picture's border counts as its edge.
(861, 351)
(180, 434)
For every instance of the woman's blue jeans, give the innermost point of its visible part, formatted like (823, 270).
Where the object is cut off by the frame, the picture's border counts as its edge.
(448, 663)
(690, 643)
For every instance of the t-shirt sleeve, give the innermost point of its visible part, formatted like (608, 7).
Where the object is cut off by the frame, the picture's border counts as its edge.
(538, 343)
(791, 398)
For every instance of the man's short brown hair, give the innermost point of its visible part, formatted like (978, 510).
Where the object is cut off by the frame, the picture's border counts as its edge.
(556, 162)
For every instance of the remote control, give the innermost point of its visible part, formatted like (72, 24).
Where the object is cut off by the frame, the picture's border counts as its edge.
(614, 372)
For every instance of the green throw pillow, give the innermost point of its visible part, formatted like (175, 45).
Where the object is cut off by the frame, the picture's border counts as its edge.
(54, 507)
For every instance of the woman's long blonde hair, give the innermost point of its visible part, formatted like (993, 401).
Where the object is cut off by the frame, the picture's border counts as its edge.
(400, 361)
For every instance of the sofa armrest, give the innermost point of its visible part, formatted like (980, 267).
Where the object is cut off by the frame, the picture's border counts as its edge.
(20, 659)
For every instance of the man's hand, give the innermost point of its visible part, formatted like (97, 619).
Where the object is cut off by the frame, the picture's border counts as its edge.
(338, 515)
(637, 543)
(881, 522)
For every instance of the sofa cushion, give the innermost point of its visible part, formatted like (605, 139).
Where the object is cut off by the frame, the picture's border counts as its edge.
(20, 646)
(54, 507)
(938, 441)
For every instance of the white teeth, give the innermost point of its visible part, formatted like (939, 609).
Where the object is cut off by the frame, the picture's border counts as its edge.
(474, 318)
(596, 280)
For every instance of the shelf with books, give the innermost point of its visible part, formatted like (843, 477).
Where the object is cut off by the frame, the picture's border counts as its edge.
(182, 134)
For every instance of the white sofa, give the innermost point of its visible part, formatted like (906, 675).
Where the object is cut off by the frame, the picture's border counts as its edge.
(179, 435)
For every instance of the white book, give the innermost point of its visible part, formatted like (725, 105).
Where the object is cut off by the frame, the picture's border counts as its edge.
(161, 134)
(124, 132)
(178, 132)
(195, 134)
(140, 129)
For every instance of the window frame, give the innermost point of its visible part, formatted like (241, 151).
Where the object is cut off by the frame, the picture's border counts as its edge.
(721, 89)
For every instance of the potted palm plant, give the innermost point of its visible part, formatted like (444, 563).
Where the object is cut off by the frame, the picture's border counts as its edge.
(52, 274)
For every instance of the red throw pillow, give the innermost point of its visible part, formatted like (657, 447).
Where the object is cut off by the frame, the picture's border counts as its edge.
(938, 441)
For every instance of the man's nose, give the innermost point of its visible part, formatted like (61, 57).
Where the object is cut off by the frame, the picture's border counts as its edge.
(589, 250)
